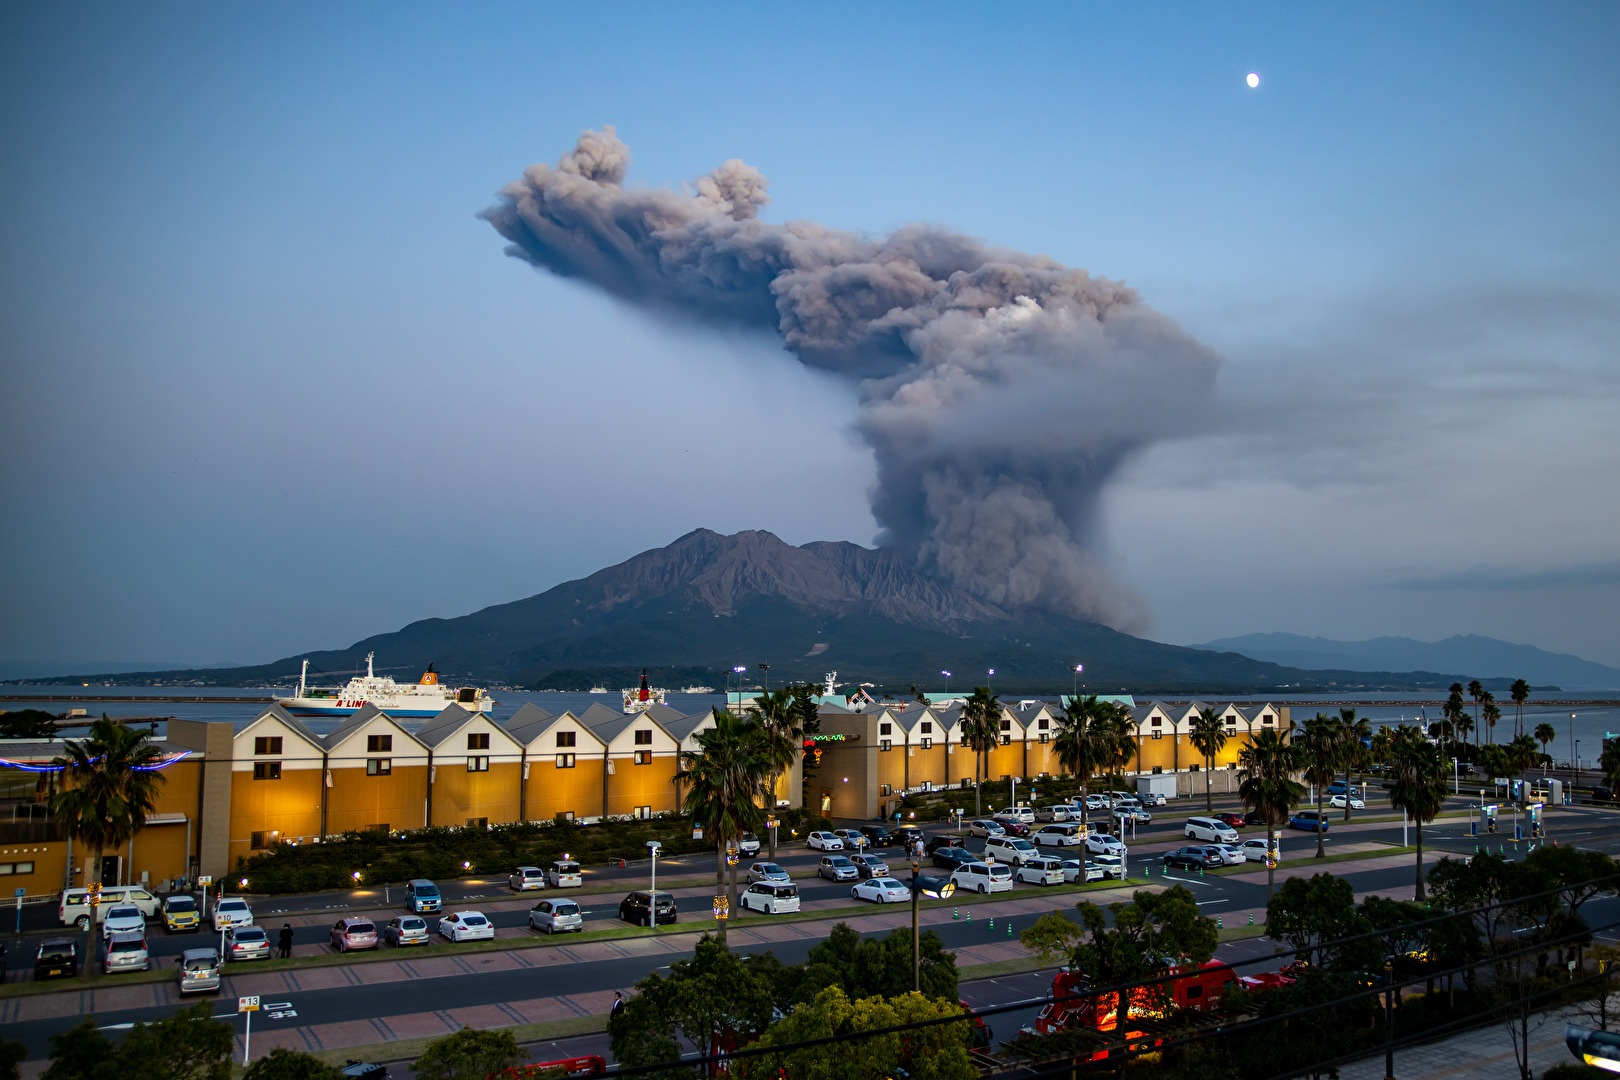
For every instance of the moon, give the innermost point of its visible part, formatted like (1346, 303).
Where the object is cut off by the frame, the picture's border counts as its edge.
(1253, 80)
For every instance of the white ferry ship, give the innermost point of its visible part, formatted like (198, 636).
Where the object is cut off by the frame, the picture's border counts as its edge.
(426, 698)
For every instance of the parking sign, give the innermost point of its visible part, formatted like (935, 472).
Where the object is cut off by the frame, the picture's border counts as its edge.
(247, 1004)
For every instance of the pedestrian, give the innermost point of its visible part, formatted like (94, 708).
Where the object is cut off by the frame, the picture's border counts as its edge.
(286, 940)
(617, 1011)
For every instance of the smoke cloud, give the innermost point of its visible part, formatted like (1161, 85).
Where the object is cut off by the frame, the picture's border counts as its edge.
(1000, 391)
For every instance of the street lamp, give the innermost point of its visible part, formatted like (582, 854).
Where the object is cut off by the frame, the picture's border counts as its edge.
(1577, 749)
(1075, 688)
(740, 669)
(935, 888)
(771, 822)
(654, 847)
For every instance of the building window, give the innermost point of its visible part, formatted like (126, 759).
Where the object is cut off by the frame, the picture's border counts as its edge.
(478, 764)
(1268, 719)
(565, 815)
(885, 729)
(928, 785)
(267, 770)
(644, 738)
(927, 744)
(379, 744)
(1043, 723)
(1193, 767)
(1045, 737)
(643, 813)
(1231, 731)
(884, 790)
(271, 745)
(565, 738)
(926, 727)
(1006, 740)
(379, 766)
(478, 741)
(1158, 721)
(1158, 734)
(478, 823)
(1006, 725)
(644, 757)
(1158, 769)
(16, 868)
(261, 840)
(565, 761)
(885, 744)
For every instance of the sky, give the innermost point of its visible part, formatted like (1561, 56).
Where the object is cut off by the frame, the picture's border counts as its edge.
(269, 385)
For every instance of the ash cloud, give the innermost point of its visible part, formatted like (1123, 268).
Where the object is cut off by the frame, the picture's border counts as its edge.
(1000, 391)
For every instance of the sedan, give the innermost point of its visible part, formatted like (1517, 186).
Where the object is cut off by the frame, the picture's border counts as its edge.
(985, 828)
(1012, 826)
(1096, 802)
(556, 916)
(231, 911)
(882, 890)
(1255, 850)
(247, 943)
(1132, 813)
(1230, 854)
(1153, 798)
(837, 868)
(525, 878)
(949, 858)
(854, 839)
(1338, 801)
(824, 841)
(1075, 870)
(406, 930)
(349, 934)
(869, 866)
(1103, 844)
(1192, 858)
(767, 871)
(466, 926)
(121, 918)
(1236, 821)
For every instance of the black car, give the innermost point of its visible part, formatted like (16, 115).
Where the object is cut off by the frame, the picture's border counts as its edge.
(1254, 817)
(1192, 858)
(877, 835)
(57, 957)
(949, 858)
(634, 908)
(363, 1070)
(906, 836)
(937, 842)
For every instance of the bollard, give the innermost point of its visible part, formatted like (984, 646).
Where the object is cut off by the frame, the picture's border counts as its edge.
(1009, 928)
(1251, 918)
(992, 923)
(1219, 923)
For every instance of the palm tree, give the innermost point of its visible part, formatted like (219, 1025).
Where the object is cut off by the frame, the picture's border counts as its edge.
(1457, 712)
(108, 786)
(1521, 694)
(1545, 734)
(1477, 692)
(1120, 742)
(724, 777)
(784, 737)
(1208, 736)
(1318, 755)
(1522, 754)
(1267, 784)
(1419, 787)
(1354, 735)
(1609, 763)
(980, 716)
(1082, 744)
(1492, 712)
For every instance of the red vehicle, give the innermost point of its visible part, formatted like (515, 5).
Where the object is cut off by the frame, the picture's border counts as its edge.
(589, 1065)
(1013, 826)
(1237, 821)
(1270, 980)
(1199, 988)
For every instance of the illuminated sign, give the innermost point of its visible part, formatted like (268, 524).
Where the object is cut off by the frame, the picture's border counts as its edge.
(812, 740)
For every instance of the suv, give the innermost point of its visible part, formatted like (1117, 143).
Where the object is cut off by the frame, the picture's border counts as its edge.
(1212, 829)
(1059, 835)
(949, 858)
(1010, 849)
(125, 951)
(770, 897)
(1193, 858)
(1056, 812)
(526, 877)
(983, 877)
(644, 907)
(877, 835)
(422, 896)
(199, 971)
(354, 934)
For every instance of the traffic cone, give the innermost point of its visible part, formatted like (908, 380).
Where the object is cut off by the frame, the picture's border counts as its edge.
(970, 915)
(956, 913)
(1009, 928)
(1219, 925)
(1251, 918)
(992, 922)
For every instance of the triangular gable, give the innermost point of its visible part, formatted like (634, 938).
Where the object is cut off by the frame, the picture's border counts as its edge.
(685, 729)
(276, 713)
(370, 721)
(440, 732)
(532, 727)
(433, 731)
(349, 725)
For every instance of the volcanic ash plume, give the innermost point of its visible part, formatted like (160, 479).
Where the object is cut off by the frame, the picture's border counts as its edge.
(1000, 390)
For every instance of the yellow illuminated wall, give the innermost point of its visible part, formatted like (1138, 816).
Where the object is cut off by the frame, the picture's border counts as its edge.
(633, 785)
(357, 801)
(290, 806)
(459, 795)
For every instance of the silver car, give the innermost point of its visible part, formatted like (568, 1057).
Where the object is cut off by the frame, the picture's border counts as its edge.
(985, 828)
(126, 951)
(869, 866)
(199, 971)
(838, 868)
(406, 930)
(767, 871)
(557, 916)
(247, 943)
(526, 877)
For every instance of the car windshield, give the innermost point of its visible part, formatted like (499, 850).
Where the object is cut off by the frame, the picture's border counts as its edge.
(569, 908)
(124, 911)
(839, 860)
(769, 868)
(427, 890)
(182, 903)
(1022, 845)
(233, 905)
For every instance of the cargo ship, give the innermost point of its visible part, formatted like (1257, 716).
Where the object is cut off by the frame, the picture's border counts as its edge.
(422, 699)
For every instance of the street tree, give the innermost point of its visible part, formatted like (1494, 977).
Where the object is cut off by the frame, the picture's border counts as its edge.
(1312, 915)
(1317, 752)
(1266, 783)
(1355, 738)
(1207, 733)
(725, 777)
(1545, 734)
(1083, 742)
(1419, 786)
(980, 719)
(283, 1064)
(469, 1054)
(1520, 693)
(714, 994)
(775, 713)
(937, 1052)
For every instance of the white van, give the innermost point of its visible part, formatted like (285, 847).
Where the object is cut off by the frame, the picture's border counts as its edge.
(1214, 830)
(1041, 872)
(74, 907)
(983, 877)
(1022, 812)
(1010, 849)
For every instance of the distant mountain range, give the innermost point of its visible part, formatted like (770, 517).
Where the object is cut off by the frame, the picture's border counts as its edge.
(1480, 657)
(691, 611)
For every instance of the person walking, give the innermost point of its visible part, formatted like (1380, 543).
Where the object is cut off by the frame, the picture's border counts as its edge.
(286, 940)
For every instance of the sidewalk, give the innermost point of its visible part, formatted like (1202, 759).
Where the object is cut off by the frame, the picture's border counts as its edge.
(1482, 1054)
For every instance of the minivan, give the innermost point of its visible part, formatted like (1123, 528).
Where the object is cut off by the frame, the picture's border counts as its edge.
(1011, 849)
(421, 896)
(636, 908)
(983, 877)
(1309, 821)
(771, 897)
(1211, 829)
(199, 971)
(1041, 872)
(56, 957)
(74, 907)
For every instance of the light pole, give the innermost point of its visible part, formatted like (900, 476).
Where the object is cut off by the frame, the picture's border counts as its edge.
(947, 682)
(766, 668)
(654, 847)
(740, 670)
(1577, 749)
(1075, 682)
(935, 888)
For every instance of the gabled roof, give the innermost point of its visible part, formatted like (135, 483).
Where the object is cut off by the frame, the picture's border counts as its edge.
(681, 728)
(910, 718)
(287, 718)
(663, 714)
(1233, 706)
(609, 725)
(446, 724)
(354, 723)
(530, 722)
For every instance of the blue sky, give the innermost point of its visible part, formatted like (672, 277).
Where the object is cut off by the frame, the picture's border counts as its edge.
(269, 385)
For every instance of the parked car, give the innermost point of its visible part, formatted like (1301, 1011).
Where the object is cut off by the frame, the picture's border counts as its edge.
(1067, 835)
(1113, 866)
(1152, 798)
(1096, 802)
(422, 896)
(1022, 812)
(466, 926)
(906, 837)
(1040, 872)
(949, 858)
(525, 878)
(1192, 858)
(767, 871)
(1010, 849)
(1055, 812)
(1338, 801)
(1211, 829)
(986, 828)
(1308, 821)
(936, 842)
(125, 950)
(1254, 817)
(1012, 826)
(406, 930)
(363, 1070)
(877, 835)
(1255, 850)
(1079, 870)
(557, 916)
(199, 971)
(646, 908)
(55, 958)
(882, 890)
(1338, 787)
(180, 912)
(123, 917)
(748, 846)
(74, 907)
(824, 841)
(1230, 854)
(854, 839)
(1236, 821)
(1103, 844)
(564, 874)
(231, 911)
(837, 868)
(869, 865)
(247, 943)
(978, 877)
(771, 897)
(351, 934)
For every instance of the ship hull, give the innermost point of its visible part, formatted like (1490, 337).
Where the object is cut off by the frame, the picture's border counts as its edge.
(415, 710)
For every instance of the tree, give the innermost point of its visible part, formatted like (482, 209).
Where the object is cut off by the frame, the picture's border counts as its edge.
(27, 724)
(1545, 733)
(724, 776)
(714, 993)
(1207, 733)
(1491, 711)
(1317, 752)
(938, 1052)
(1312, 915)
(1354, 735)
(1522, 753)
(283, 1064)
(1609, 764)
(867, 967)
(108, 787)
(784, 739)
(1456, 712)
(1082, 743)
(1266, 783)
(1419, 787)
(979, 719)
(468, 1054)
(807, 718)
(190, 1045)
(1520, 692)
(1477, 692)
(1122, 745)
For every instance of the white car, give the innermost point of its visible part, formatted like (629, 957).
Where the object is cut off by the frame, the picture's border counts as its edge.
(525, 878)
(748, 846)
(981, 877)
(1337, 802)
(767, 871)
(1075, 870)
(1040, 872)
(985, 828)
(1056, 812)
(1254, 850)
(122, 917)
(1152, 798)
(1058, 836)
(1096, 802)
(231, 911)
(1010, 849)
(1210, 830)
(837, 868)
(1113, 866)
(1231, 854)
(554, 916)
(771, 897)
(882, 890)
(1022, 812)
(854, 839)
(1103, 844)
(824, 841)
(466, 926)
(1127, 812)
